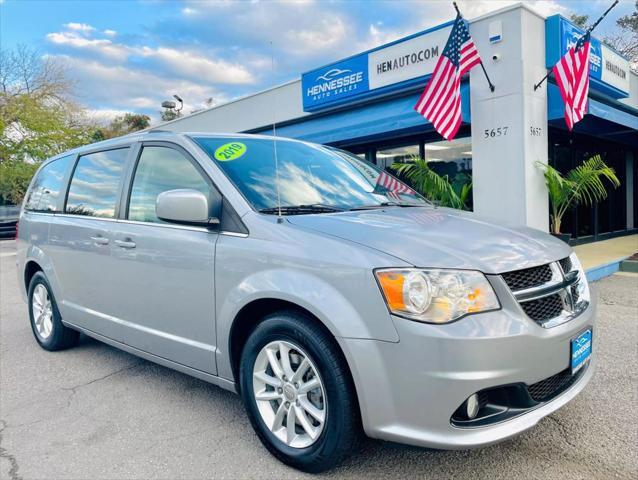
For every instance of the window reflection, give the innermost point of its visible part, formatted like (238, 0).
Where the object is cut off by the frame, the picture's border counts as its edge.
(307, 175)
(160, 169)
(386, 157)
(44, 194)
(95, 185)
(450, 158)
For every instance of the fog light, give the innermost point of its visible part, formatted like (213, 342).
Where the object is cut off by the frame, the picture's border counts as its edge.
(472, 406)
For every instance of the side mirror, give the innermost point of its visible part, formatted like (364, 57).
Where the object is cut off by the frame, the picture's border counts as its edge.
(184, 206)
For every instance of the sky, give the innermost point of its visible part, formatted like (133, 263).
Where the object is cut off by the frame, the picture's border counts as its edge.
(130, 55)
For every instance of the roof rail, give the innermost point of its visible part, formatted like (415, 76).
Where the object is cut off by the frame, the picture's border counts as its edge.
(159, 131)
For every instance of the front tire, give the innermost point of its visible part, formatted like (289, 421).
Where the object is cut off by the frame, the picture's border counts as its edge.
(46, 322)
(298, 393)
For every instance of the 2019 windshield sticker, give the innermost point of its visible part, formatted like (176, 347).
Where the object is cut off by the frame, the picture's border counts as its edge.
(230, 151)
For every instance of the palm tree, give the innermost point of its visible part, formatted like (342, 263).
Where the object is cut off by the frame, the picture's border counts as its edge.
(431, 185)
(582, 185)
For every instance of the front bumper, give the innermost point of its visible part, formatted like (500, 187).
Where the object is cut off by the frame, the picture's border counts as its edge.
(408, 391)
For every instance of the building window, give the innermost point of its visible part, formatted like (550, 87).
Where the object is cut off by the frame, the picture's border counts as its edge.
(386, 157)
(451, 158)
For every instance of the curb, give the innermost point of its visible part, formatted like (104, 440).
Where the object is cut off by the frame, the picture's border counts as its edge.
(629, 266)
(606, 269)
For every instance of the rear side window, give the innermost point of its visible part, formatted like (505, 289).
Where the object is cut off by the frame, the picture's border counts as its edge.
(160, 169)
(46, 188)
(95, 185)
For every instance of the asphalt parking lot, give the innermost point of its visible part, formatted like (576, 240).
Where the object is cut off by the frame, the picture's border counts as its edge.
(96, 412)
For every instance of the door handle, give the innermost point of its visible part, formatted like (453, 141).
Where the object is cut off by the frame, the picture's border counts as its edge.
(100, 240)
(125, 243)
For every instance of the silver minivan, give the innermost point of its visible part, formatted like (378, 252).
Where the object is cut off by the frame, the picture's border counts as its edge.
(330, 295)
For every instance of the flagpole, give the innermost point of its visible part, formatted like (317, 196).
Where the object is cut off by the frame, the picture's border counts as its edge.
(587, 32)
(458, 12)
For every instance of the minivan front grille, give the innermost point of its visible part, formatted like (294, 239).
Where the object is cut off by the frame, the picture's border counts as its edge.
(566, 264)
(528, 278)
(544, 308)
(548, 294)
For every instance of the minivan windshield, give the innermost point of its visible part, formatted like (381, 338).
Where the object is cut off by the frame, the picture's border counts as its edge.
(312, 178)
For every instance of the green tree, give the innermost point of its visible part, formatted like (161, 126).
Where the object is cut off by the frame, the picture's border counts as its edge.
(433, 186)
(122, 125)
(38, 117)
(625, 39)
(169, 114)
(14, 180)
(580, 20)
(583, 184)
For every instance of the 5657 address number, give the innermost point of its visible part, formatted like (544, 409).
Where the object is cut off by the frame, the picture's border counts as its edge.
(495, 132)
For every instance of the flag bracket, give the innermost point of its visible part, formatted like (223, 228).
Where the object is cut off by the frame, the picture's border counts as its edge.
(489, 82)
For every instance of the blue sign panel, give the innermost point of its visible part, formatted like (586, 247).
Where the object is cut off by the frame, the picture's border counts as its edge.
(396, 66)
(336, 82)
(608, 71)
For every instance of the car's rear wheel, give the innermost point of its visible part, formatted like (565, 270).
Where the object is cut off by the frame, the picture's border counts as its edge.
(45, 317)
(298, 392)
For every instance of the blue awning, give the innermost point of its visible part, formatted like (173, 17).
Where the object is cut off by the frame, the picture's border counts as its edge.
(365, 122)
(602, 119)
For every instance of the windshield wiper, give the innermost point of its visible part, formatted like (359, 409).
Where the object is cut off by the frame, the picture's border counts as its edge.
(301, 209)
(384, 204)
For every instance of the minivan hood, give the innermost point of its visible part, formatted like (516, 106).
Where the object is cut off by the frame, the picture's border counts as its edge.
(440, 237)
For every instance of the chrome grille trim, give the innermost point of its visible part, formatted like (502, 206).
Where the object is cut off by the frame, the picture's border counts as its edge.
(564, 282)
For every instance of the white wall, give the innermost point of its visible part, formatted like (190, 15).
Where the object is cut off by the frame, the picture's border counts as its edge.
(632, 100)
(508, 184)
(279, 104)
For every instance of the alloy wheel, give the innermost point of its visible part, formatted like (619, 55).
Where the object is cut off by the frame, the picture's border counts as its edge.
(42, 311)
(289, 393)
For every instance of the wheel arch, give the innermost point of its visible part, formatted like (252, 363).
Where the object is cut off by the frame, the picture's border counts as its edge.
(30, 269)
(252, 314)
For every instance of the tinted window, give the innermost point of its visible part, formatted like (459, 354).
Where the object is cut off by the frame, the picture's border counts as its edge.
(160, 169)
(44, 194)
(95, 184)
(308, 174)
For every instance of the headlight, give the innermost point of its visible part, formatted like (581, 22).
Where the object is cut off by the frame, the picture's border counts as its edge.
(582, 286)
(436, 296)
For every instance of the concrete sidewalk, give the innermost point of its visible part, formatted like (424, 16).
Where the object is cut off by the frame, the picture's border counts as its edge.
(600, 259)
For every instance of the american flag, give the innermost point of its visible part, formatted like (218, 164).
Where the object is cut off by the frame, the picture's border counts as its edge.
(391, 187)
(572, 76)
(440, 102)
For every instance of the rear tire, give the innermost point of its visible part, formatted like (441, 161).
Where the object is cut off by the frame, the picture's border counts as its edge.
(332, 399)
(46, 322)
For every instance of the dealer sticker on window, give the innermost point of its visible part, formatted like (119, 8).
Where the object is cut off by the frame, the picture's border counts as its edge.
(580, 350)
(230, 151)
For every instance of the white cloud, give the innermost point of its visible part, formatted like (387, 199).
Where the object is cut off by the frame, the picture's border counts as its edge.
(181, 63)
(104, 115)
(117, 88)
(303, 28)
(329, 32)
(109, 32)
(79, 27)
(193, 65)
(429, 14)
(102, 46)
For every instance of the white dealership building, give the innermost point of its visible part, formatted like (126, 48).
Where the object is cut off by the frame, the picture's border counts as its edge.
(364, 104)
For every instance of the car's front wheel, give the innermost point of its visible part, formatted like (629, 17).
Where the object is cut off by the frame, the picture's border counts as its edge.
(298, 392)
(45, 318)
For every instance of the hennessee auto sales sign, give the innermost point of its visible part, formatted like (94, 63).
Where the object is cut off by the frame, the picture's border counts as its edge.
(390, 67)
(609, 71)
